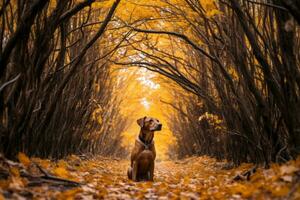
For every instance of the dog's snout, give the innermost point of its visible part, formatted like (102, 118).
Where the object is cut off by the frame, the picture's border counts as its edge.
(159, 127)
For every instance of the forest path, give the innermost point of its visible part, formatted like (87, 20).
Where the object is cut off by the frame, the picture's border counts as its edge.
(105, 178)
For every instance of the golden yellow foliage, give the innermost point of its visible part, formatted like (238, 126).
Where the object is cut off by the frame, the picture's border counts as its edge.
(61, 172)
(143, 92)
(42, 162)
(213, 120)
(245, 190)
(210, 7)
(142, 97)
(24, 159)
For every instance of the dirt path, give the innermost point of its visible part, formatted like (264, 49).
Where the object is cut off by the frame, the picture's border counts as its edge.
(192, 178)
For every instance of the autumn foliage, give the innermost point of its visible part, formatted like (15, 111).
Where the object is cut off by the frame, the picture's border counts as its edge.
(101, 178)
(57, 91)
(239, 63)
(223, 76)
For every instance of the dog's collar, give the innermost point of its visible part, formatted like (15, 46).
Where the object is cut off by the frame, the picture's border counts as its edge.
(147, 146)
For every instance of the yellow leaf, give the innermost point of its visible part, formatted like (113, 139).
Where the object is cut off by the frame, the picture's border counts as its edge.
(62, 172)
(24, 159)
(69, 194)
(45, 163)
(213, 12)
(245, 191)
(15, 171)
(280, 191)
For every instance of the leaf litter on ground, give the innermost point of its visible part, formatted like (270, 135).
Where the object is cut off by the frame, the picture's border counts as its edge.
(80, 177)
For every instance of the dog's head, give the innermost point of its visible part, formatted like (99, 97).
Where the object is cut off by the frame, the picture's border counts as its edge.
(149, 124)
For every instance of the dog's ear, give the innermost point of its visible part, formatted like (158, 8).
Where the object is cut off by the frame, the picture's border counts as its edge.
(141, 121)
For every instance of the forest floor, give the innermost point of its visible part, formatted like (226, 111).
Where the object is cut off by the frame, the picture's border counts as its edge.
(105, 178)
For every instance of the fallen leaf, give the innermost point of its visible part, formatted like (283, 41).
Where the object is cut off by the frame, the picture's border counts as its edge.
(288, 169)
(287, 178)
(24, 159)
(62, 172)
(69, 194)
(280, 191)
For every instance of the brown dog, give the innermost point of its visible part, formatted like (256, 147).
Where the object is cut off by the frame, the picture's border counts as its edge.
(143, 153)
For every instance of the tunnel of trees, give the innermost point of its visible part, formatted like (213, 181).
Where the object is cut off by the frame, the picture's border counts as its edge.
(236, 63)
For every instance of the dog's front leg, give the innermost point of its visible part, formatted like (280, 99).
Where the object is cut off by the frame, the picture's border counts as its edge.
(134, 171)
(151, 171)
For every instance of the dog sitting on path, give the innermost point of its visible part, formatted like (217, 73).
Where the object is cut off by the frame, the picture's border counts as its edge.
(143, 154)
